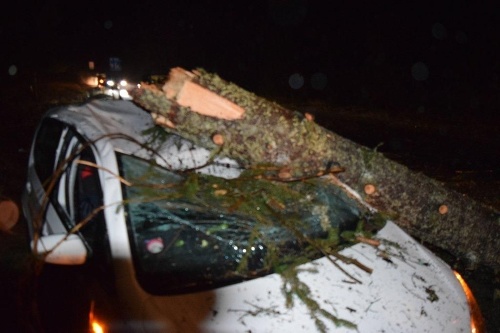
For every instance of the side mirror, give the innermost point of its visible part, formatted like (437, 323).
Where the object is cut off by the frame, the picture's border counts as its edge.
(69, 251)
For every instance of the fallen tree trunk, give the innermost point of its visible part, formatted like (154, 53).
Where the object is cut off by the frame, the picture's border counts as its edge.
(254, 131)
(261, 134)
(422, 206)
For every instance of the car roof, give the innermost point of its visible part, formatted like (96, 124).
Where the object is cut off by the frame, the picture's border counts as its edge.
(122, 124)
(107, 117)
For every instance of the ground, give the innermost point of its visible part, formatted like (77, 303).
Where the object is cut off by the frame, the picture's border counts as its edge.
(461, 151)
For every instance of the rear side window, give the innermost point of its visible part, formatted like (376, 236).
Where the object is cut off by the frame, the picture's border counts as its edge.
(45, 149)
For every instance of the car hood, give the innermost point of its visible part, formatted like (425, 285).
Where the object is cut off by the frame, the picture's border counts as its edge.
(409, 289)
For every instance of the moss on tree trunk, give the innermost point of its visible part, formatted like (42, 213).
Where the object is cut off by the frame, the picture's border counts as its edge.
(267, 135)
(421, 205)
(271, 136)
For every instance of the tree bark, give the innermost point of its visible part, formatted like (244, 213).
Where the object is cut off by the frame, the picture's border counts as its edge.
(291, 144)
(266, 135)
(422, 206)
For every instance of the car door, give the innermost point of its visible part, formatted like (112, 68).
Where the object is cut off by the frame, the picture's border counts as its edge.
(85, 198)
(66, 177)
(39, 204)
(54, 191)
(56, 152)
(78, 195)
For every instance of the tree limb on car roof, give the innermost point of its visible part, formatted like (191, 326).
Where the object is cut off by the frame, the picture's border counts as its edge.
(219, 115)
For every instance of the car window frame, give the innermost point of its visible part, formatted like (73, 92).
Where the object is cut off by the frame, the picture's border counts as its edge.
(63, 154)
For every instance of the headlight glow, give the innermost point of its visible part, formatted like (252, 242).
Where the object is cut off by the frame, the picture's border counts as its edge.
(97, 327)
(124, 94)
(476, 318)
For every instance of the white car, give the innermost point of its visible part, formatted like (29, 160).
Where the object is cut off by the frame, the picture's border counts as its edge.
(180, 241)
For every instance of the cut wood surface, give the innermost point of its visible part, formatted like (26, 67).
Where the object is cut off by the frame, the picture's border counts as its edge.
(273, 136)
(176, 79)
(187, 93)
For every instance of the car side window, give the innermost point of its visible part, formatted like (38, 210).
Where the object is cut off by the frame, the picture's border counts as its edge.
(86, 203)
(45, 148)
(79, 192)
(88, 195)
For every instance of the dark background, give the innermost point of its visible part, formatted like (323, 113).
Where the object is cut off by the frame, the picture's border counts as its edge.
(366, 49)
(419, 80)
(436, 62)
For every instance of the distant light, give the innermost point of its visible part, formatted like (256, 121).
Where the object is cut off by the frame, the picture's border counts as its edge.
(419, 71)
(91, 65)
(12, 70)
(92, 81)
(108, 24)
(296, 81)
(124, 94)
(319, 81)
(110, 83)
(439, 31)
(123, 83)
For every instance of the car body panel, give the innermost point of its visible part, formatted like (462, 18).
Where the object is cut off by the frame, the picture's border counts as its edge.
(413, 292)
(409, 290)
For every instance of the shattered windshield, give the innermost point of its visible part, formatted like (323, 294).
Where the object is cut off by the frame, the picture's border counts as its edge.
(191, 231)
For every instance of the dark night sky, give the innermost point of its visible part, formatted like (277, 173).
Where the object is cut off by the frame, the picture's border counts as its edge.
(387, 50)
